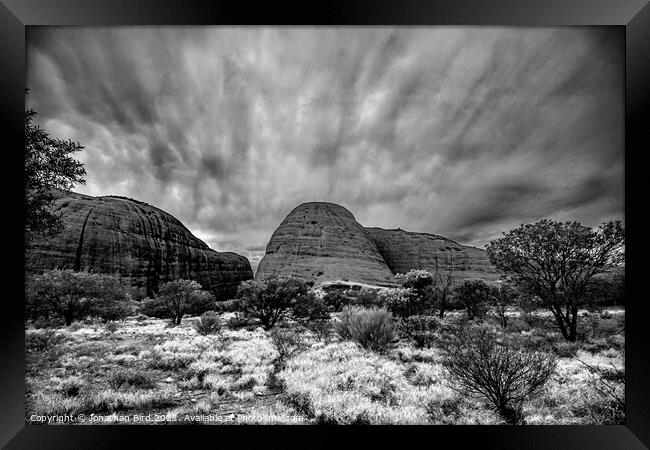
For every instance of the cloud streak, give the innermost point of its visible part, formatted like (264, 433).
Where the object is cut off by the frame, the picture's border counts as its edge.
(459, 131)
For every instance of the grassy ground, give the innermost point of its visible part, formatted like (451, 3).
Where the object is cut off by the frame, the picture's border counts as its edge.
(149, 372)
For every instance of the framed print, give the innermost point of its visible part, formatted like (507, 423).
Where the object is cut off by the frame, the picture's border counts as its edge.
(405, 220)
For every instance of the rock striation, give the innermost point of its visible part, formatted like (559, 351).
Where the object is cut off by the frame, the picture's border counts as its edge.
(404, 250)
(322, 241)
(136, 241)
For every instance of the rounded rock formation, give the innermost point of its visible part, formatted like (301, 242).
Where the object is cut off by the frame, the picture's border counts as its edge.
(322, 241)
(404, 250)
(136, 241)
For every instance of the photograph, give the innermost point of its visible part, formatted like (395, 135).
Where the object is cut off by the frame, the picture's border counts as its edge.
(324, 225)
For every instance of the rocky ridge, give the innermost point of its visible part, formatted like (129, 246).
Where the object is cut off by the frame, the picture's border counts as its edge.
(136, 241)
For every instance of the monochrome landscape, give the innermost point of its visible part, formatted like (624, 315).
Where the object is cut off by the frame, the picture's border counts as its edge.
(329, 225)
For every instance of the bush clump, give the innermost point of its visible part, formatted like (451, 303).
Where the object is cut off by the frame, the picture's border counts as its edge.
(506, 376)
(130, 378)
(372, 328)
(208, 323)
(288, 343)
(421, 329)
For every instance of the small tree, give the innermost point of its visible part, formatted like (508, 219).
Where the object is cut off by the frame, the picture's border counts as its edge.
(475, 295)
(112, 301)
(422, 287)
(288, 344)
(69, 294)
(309, 308)
(48, 166)
(270, 300)
(177, 298)
(556, 261)
(421, 329)
(443, 284)
(506, 376)
(503, 296)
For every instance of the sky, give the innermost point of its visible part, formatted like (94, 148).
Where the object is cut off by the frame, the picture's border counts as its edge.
(465, 132)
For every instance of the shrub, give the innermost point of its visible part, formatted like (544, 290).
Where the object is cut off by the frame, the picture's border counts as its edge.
(288, 343)
(111, 327)
(421, 295)
(475, 295)
(42, 340)
(209, 323)
(238, 321)
(321, 328)
(565, 349)
(404, 302)
(503, 296)
(445, 411)
(71, 295)
(130, 378)
(421, 329)
(335, 300)
(373, 329)
(310, 308)
(270, 300)
(71, 387)
(506, 376)
(177, 298)
(365, 298)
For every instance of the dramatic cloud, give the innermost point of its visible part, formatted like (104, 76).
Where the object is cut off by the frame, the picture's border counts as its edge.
(464, 132)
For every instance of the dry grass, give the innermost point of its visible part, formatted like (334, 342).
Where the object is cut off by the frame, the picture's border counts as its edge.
(146, 367)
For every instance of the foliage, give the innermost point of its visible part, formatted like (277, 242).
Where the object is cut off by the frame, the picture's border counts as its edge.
(309, 308)
(335, 300)
(270, 300)
(415, 279)
(48, 166)
(72, 295)
(322, 328)
(113, 303)
(421, 329)
(288, 342)
(503, 296)
(130, 378)
(373, 328)
(556, 261)
(475, 295)
(365, 298)
(421, 292)
(504, 375)
(111, 327)
(208, 323)
(177, 298)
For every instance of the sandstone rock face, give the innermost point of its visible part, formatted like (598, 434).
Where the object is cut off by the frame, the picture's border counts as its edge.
(323, 241)
(403, 250)
(137, 241)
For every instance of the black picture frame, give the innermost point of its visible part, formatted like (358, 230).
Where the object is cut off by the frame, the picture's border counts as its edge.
(632, 15)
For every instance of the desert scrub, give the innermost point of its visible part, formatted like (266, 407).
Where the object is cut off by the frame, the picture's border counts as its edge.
(480, 364)
(372, 328)
(341, 383)
(421, 329)
(288, 343)
(208, 323)
(131, 379)
(43, 350)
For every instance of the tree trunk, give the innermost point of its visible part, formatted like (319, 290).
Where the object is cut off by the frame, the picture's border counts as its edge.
(573, 330)
(68, 321)
(560, 323)
(442, 309)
